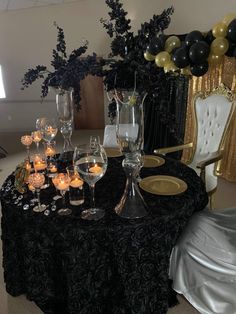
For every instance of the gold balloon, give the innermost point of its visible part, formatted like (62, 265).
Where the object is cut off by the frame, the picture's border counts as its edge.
(170, 67)
(214, 59)
(171, 43)
(148, 56)
(186, 71)
(162, 58)
(229, 18)
(219, 46)
(220, 30)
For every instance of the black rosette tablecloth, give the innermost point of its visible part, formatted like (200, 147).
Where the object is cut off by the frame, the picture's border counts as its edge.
(70, 266)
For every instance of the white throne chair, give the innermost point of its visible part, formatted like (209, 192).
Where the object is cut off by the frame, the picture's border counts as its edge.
(213, 112)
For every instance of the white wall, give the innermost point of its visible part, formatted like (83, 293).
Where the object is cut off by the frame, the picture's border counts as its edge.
(28, 36)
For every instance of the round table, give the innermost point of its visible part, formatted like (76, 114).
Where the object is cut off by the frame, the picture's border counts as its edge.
(67, 265)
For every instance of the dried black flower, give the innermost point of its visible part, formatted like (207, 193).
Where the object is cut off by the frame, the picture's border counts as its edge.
(68, 71)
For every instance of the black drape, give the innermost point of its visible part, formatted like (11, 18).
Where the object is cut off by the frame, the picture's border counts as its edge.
(164, 114)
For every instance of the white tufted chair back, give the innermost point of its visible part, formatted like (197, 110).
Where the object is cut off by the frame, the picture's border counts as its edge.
(213, 112)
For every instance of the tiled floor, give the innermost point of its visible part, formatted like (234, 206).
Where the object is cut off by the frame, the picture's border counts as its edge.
(225, 197)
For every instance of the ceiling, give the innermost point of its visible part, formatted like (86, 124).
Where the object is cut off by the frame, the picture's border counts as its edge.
(6, 5)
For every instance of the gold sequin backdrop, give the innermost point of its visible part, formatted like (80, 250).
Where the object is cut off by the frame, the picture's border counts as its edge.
(225, 73)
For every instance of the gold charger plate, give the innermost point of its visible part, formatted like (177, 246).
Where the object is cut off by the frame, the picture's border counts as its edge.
(113, 152)
(163, 185)
(151, 161)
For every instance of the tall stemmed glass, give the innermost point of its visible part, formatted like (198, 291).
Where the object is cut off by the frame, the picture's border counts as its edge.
(64, 101)
(48, 128)
(91, 164)
(27, 140)
(130, 128)
(37, 137)
(37, 180)
(62, 183)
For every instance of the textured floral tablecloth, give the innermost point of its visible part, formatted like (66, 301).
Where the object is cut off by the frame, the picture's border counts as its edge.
(116, 266)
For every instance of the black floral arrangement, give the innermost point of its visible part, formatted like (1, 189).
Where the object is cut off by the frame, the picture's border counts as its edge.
(127, 48)
(127, 52)
(67, 71)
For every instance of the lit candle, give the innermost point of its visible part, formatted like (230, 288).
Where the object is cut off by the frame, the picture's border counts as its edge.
(31, 187)
(76, 182)
(95, 169)
(26, 140)
(27, 166)
(62, 185)
(51, 130)
(39, 165)
(49, 151)
(36, 136)
(52, 168)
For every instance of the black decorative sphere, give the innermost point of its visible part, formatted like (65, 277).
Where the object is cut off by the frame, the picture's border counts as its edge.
(199, 52)
(193, 37)
(232, 31)
(180, 57)
(199, 69)
(155, 46)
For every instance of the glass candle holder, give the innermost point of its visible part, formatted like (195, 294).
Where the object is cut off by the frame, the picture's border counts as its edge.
(37, 180)
(27, 140)
(62, 183)
(76, 190)
(36, 137)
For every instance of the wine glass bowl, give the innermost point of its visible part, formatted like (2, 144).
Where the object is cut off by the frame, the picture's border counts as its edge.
(91, 164)
(48, 128)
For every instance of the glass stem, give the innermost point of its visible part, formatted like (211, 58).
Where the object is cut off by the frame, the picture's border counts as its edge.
(63, 193)
(38, 196)
(37, 146)
(92, 195)
(28, 152)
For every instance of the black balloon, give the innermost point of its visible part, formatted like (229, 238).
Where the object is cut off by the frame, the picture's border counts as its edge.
(199, 69)
(231, 51)
(232, 31)
(199, 52)
(193, 37)
(209, 37)
(155, 46)
(180, 57)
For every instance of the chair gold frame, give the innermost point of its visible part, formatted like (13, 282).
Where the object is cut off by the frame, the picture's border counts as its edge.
(217, 156)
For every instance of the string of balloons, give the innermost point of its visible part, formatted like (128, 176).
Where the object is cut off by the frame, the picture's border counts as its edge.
(197, 51)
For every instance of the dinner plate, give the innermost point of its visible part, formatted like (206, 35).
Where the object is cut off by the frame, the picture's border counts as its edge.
(113, 152)
(151, 161)
(163, 185)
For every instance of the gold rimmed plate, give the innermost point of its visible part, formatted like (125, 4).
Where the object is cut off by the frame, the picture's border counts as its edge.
(113, 152)
(163, 185)
(151, 161)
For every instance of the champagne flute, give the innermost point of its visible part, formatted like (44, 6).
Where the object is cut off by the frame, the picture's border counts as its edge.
(91, 164)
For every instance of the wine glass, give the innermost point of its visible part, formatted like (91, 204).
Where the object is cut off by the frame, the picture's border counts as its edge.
(62, 183)
(49, 129)
(37, 180)
(36, 137)
(92, 165)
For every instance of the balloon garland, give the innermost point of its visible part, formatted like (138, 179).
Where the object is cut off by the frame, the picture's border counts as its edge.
(198, 50)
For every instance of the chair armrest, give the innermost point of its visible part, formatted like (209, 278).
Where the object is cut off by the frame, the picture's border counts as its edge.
(172, 149)
(216, 156)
